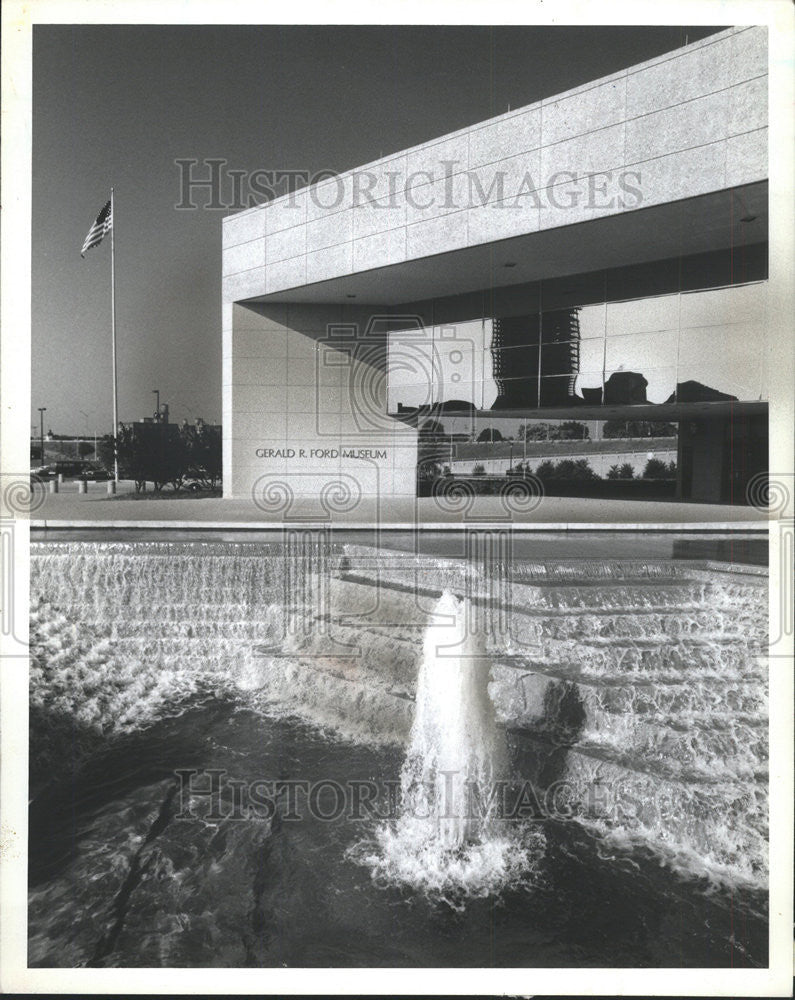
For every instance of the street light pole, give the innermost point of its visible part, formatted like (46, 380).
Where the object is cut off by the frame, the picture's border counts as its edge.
(42, 411)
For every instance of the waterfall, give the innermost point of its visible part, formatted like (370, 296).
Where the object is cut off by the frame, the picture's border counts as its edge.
(449, 838)
(642, 685)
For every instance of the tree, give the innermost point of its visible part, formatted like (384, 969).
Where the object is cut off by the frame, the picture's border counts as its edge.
(657, 469)
(538, 431)
(546, 470)
(133, 460)
(490, 434)
(638, 428)
(573, 430)
(148, 452)
(429, 470)
(579, 469)
(567, 468)
(479, 470)
(624, 471)
(204, 454)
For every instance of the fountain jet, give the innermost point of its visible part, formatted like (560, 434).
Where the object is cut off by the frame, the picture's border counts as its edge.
(449, 839)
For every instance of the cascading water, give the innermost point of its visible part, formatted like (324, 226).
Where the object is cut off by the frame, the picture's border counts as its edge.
(638, 688)
(659, 663)
(449, 839)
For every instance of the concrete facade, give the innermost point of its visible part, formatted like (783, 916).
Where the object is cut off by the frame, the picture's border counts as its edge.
(655, 161)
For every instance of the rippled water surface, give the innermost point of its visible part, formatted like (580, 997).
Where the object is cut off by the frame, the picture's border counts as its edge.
(632, 697)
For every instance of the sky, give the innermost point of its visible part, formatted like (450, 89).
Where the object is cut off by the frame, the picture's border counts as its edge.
(119, 105)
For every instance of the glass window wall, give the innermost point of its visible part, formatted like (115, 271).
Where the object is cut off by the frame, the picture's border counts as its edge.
(691, 346)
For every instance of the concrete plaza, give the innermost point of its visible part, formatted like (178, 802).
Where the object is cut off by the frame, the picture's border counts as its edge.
(67, 508)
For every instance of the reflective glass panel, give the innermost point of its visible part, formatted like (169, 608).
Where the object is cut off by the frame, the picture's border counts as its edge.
(640, 352)
(643, 315)
(722, 306)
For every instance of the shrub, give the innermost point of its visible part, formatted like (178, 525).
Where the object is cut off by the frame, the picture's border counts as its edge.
(567, 468)
(623, 471)
(656, 469)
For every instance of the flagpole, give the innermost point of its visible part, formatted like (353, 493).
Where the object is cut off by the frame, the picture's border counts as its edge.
(113, 338)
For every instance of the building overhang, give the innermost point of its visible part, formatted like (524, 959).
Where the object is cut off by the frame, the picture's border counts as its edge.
(719, 220)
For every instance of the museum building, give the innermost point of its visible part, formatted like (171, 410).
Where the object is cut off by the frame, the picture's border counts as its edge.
(599, 256)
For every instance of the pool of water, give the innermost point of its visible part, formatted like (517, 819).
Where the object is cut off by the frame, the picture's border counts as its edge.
(630, 695)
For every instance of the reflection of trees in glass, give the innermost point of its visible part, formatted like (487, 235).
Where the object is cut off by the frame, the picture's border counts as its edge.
(573, 430)
(638, 428)
(567, 468)
(429, 470)
(490, 434)
(567, 430)
(655, 468)
(533, 432)
(433, 445)
(624, 471)
(625, 387)
(696, 392)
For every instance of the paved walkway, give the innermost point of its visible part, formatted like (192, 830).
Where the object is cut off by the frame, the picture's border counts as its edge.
(95, 508)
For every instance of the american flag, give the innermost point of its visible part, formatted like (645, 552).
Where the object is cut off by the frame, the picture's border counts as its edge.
(103, 225)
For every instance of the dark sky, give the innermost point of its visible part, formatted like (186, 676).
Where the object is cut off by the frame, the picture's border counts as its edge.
(117, 105)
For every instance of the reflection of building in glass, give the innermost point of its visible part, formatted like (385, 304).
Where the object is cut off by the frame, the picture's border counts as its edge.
(527, 350)
(560, 355)
(515, 353)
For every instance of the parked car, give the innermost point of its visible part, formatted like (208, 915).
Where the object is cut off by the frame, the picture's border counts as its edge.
(94, 472)
(71, 470)
(43, 472)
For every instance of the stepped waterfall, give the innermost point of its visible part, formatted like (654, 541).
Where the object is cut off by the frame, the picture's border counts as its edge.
(640, 685)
